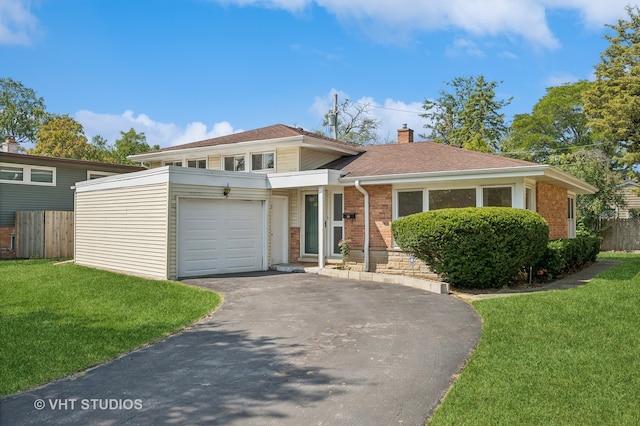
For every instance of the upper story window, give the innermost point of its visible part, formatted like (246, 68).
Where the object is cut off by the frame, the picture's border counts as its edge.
(177, 163)
(26, 174)
(92, 174)
(234, 163)
(263, 161)
(197, 164)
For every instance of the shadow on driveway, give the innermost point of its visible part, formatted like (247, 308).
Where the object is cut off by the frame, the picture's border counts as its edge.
(285, 349)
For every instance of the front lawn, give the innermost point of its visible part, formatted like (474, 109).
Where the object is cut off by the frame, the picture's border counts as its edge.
(559, 357)
(59, 319)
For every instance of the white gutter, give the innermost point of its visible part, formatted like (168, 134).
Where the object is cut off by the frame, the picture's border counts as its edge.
(366, 224)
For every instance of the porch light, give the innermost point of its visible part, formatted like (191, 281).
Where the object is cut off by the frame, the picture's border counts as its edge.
(226, 191)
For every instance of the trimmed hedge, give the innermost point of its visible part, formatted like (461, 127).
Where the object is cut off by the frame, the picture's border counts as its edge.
(568, 254)
(474, 247)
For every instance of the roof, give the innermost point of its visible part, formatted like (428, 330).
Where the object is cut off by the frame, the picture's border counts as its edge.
(420, 157)
(277, 131)
(50, 161)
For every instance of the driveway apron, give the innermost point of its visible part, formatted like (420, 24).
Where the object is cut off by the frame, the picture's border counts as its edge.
(282, 349)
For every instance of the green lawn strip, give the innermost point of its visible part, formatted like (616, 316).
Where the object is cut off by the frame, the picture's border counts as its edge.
(59, 319)
(560, 357)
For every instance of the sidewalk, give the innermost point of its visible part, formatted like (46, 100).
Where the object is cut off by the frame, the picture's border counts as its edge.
(574, 280)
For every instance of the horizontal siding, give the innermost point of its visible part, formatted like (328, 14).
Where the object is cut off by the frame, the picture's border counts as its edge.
(287, 160)
(195, 191)
(123, 229)
(311, 159)
(214, 162)
(155, 164)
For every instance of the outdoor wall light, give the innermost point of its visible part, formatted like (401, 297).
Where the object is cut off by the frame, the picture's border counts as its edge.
(226, 191)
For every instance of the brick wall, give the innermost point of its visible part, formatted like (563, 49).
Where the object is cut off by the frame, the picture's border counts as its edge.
(5, 242)
(551, 203)
(380, 215)
(294, 244)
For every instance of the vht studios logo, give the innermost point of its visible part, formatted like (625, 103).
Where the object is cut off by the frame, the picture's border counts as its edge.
(87, 404)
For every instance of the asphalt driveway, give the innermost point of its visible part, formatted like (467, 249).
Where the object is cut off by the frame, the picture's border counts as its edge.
(283, 349)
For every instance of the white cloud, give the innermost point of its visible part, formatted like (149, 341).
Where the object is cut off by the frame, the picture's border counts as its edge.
(17, 24)
(396, 21)
(560, 78)
(109, 127)
(392, 114)
(462, 46)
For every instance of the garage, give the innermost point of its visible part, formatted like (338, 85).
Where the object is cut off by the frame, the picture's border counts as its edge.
(219, 236)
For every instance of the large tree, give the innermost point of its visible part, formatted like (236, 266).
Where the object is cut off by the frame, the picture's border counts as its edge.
(613, 101)
(22, 112)
(63, 137)
(556, 124)
(130, 143)
(468, 114)
(355, 122)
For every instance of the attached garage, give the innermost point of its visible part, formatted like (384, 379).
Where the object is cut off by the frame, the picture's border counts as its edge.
(173, 222)
(219, 236)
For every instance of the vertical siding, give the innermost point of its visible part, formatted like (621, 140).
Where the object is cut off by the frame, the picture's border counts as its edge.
(287, 160)
(311, 159)
(214, 162)
(197, 191)
(123, 229)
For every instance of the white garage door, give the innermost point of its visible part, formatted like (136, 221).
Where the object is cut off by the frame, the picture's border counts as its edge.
(219, 236)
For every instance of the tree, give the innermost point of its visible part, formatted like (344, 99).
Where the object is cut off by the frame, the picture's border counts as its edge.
(613, 101)
(355, 123)
(21, 111)
(468, 116)
(557, 123)
(103, 151)
(63, 137)
(596, 168)
(130, 143)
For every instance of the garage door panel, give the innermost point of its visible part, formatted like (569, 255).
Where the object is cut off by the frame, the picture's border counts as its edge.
(219, 236)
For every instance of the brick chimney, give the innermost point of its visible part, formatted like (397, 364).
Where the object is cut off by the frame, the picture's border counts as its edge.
(10, 145)
(405, 135)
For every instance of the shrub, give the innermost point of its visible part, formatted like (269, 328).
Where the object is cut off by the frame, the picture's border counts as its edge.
(568, 254)
(474, 247)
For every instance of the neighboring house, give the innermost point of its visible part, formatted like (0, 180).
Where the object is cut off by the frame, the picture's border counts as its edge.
(631, 192)
(30, 182)
(279, 194)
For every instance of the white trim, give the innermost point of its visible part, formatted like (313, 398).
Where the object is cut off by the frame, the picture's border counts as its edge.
(284, 221)
(309, 178)
(26, 174)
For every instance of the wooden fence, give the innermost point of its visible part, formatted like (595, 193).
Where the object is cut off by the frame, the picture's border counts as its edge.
(44, 234)
(621, 234)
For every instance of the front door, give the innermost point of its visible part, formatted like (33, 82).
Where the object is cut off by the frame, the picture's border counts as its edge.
(310, 223)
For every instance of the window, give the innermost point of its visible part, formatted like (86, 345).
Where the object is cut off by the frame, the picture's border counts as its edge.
(91, 174)
(197, 164)
(28, 175)
(173, 163)
(450, 198)
(528, 199)
(262, 161)
(234, 163)
(496, 197)
(409, 202)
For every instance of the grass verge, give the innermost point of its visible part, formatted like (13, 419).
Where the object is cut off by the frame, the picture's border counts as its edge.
(59, 319)
(558, 357)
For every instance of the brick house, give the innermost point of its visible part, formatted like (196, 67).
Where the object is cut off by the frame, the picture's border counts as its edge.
(280, 194)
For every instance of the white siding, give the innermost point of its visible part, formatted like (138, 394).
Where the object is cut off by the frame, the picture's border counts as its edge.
(214, 162)
(123, 229)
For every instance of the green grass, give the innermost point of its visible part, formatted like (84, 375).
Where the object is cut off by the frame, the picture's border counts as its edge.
(567, 357)
(58, 319)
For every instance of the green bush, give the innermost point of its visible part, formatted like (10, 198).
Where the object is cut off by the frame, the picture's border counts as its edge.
(474, 247)
(568, 254)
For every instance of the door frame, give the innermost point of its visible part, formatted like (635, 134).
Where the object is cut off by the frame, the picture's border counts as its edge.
(331, 223)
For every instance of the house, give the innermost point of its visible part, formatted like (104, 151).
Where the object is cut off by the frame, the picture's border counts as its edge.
(632, 197)
(31, 182)
(280, 194)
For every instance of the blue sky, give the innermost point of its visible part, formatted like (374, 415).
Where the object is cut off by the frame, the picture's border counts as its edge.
(186, 70)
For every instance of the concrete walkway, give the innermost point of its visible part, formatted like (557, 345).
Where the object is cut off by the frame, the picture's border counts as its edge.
(283, 349)
(572, 281)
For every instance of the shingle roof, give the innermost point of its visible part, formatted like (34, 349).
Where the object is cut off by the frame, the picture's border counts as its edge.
(419, 157)
(271, 132)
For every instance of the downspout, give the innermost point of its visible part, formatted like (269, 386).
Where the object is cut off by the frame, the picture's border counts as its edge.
(366, 225)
